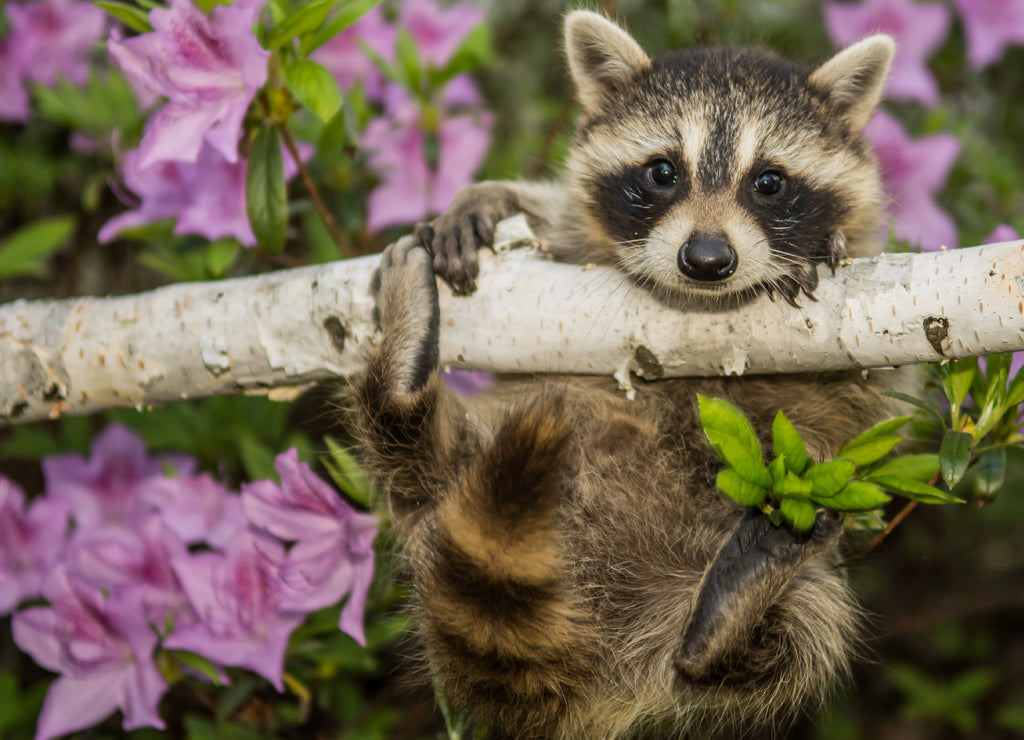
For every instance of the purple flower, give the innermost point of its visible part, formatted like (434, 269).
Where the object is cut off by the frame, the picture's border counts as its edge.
(207, 197)
(990, 26)
(438, 32)
(914, 171)
(232, 593)
(1002, 233)
(196, 508)
(103, 649)
(105, 488)
(31, 542)
(919, 29)
(468, 382)
(49, 39)
(208, 68)
(332, 552)
(412, 187)
(113, 558)
(13, 96)
(348, 62)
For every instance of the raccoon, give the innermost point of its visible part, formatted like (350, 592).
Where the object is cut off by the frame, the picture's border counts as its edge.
(575, 573)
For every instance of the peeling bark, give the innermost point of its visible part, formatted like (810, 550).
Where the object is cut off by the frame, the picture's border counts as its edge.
(279, 332)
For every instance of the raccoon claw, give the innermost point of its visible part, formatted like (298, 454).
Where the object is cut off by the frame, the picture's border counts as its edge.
(453, 246)
(407, 311)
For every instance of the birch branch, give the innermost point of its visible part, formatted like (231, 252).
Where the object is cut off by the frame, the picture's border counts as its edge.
(279, 332)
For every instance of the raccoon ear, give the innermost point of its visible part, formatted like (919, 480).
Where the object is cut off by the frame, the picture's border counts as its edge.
(600, 55)
(855, 77)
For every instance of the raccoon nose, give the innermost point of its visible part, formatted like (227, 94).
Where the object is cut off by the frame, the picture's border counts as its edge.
(707, 258)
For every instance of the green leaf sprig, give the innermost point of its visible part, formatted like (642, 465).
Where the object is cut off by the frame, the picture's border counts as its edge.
(791, 488)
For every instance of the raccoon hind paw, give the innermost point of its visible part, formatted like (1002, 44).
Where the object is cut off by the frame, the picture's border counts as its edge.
(408, 314)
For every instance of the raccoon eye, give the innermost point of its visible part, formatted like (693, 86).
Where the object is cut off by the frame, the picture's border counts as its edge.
(769, 182)
(661, 173)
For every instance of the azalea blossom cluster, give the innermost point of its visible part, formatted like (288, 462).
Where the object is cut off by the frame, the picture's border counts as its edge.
(426, 144)
(137, 553)
(47, 41)
(203, 72)
(915, 170)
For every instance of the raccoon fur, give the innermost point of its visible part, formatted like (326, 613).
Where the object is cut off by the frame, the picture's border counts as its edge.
(575, 572)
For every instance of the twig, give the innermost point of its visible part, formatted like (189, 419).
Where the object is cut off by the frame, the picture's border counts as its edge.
(314, 193)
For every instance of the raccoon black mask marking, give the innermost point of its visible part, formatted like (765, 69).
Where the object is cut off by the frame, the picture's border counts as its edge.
(575, 572)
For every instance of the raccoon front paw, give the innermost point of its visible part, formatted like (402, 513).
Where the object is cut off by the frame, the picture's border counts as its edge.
(407, 312)
(454, 237)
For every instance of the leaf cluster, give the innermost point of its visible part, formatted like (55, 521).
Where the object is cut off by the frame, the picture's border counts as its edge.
(792, 487)
(980, 422)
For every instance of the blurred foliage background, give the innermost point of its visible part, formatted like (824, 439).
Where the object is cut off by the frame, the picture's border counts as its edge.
(943, 652)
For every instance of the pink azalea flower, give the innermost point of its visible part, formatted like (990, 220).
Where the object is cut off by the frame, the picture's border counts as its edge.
(103, 649)
(412, 188)
(468, 382)
(105, 488)
(13, 96)
(1002, 233)
(990, 26)
(332, 552)
(919, 29)
(438, 32)
(233, 594)
(208, 68)
(49, 39)
(913, 172)
(207, 197)
(112, 558)
(345, 58)
(197, 508)
(31, 542)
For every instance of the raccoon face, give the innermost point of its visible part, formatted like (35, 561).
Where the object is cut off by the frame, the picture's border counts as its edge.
(715, 174)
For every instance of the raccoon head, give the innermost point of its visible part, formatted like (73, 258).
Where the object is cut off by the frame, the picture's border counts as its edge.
(714, 174)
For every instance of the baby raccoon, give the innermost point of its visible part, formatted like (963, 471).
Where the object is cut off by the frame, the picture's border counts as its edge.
(575, 572)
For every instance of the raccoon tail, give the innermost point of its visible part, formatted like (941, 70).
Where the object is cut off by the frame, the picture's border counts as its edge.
(505, 630)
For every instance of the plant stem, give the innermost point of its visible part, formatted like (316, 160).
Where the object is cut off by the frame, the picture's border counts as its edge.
(314, 193)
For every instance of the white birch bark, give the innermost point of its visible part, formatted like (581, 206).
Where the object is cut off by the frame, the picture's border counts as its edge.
(281, 331)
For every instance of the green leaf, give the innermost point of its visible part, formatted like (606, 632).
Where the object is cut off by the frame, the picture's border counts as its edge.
(915, 490)
(871, 451)
(23, 253)
(881, 429)
(134, 17)
(348, 475)
(955, 456)
(957, 377)
(914, 401)
(734, 439)
(793, 485)
(798, 512)
(857, 496)
(266, 198)
(916, 467)
(409, 64)
(787, 442)
(344, 18)
(314, 86)
(220, 254)
(200, 664)
(828, 478)
(777, 469)
(742, 491)
(308, 17)
(990, 474)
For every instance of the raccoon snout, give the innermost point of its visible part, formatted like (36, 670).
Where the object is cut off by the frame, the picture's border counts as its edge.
(707, 258)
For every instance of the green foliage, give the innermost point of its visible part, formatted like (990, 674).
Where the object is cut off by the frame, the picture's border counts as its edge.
(943, 702)
(23, 253)
(266, 194)
(858, 480)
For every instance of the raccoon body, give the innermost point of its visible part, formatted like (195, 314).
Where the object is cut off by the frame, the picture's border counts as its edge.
(576, 574)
